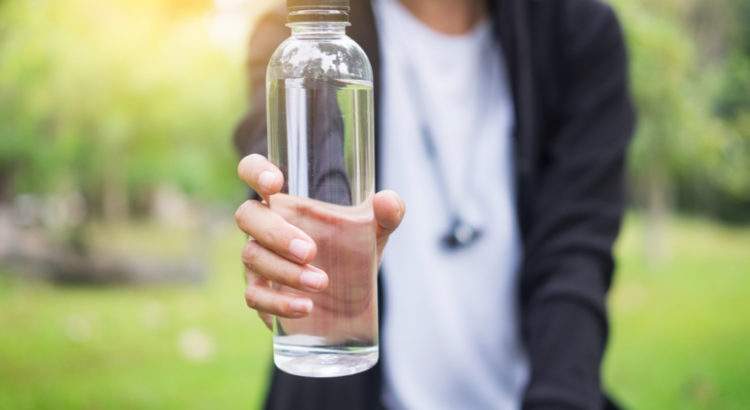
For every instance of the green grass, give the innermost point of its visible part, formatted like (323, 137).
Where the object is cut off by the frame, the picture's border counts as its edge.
(119, 348)
(679, 337)
(681, 328)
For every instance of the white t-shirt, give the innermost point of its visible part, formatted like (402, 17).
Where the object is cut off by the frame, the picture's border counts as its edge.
(450, 333)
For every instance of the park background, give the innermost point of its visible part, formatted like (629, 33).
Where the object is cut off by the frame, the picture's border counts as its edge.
(120, 279)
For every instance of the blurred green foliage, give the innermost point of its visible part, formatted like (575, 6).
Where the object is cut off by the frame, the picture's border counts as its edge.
(115, 99)
(734, 101)
(690, 71)
(123, 95)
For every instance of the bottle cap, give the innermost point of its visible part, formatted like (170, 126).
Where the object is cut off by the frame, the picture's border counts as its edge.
(298, 5)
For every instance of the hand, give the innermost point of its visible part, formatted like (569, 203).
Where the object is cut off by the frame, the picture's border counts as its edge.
(281, 253)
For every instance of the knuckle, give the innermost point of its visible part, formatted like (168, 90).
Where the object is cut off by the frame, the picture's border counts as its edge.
(247, 212)
(251, 297)
(250, 253)
(287, 275)
(239, 214)
(253, 206)
(283, 309)
(270, 237)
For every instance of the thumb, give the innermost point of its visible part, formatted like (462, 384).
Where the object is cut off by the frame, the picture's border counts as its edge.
(389, 210)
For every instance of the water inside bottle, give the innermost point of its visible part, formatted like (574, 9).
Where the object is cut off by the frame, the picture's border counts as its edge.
(322, 142)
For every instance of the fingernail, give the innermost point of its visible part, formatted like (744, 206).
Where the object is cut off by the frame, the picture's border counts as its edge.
(300, 249)
(266, 180)
(301, 305)
(313, 280)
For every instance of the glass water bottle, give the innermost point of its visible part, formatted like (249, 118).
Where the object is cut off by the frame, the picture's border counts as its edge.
(320, 134)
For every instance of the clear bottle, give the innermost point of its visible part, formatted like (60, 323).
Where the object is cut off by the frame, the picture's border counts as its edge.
(320, 134)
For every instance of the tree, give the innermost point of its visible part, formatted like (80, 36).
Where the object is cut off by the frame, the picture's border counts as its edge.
(114, 99)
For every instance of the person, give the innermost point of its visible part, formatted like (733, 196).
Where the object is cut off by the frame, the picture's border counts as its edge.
(504, 124)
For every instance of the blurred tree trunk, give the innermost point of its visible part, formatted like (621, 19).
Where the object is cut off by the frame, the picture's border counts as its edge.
(657, 211)
(6, 183)
(114, 195)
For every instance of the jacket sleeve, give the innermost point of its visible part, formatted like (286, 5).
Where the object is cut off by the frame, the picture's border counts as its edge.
(575, 210)
(250, 134)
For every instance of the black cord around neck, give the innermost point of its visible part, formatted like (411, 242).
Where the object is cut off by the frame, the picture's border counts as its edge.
(460, 233)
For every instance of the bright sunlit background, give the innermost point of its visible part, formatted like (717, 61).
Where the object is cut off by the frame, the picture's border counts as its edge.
(120, 279)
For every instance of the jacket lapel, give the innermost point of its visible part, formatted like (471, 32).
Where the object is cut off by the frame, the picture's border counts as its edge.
(510, 17)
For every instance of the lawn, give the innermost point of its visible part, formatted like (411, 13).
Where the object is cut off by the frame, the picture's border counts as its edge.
(681, 328)
(680, 331)
(162, 347)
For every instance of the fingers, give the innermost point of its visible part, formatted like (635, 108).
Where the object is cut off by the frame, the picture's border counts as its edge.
(273, 232)
(389, 210)
(254, 280)
(271, 266)
(260, 174)
(267, 318)
(262, 267)
(267, 301)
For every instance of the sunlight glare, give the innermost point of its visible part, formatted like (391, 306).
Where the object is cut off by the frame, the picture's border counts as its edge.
(230, 23)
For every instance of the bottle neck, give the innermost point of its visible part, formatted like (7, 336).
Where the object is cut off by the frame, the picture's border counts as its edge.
(321, 23)
(318, 29)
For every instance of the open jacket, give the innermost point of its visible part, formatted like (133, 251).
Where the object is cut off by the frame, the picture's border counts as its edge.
(568, 72)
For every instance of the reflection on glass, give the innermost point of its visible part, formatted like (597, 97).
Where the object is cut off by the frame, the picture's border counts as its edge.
(321, 138)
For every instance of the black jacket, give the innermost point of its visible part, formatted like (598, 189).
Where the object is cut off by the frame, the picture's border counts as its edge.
(574, 118)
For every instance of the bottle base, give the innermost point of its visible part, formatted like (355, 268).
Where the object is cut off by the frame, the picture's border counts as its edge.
(323, 361)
